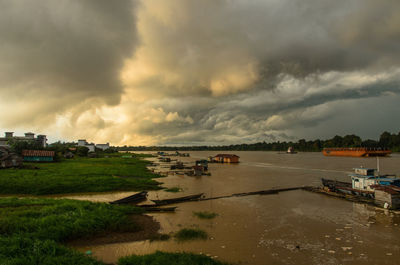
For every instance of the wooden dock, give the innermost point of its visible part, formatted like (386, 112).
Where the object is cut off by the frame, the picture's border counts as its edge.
(191, 199)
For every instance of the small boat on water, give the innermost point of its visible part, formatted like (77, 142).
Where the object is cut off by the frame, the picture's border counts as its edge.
(180, 199)
(356, 152)
(291, 150)
(135, 198)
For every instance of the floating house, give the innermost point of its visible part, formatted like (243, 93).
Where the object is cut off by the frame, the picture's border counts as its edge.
(226, 158)
(38, 155)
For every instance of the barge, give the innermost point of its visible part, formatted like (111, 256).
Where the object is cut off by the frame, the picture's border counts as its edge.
(356, 152)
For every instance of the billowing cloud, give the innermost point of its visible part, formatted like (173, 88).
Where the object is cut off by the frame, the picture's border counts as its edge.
(57, 55)
(200, 72)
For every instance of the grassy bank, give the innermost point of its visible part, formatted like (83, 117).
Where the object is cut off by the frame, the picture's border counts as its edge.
(31, 230)
(186, 234)
(162, 258)
(113, 173)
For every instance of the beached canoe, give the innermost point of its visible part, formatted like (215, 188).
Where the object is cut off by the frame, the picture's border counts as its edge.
(180, 199)
(135, 198)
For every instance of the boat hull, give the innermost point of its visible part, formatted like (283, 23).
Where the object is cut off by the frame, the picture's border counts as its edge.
(355, 152)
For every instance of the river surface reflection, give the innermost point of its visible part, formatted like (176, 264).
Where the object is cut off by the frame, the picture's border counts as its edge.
(295, 227)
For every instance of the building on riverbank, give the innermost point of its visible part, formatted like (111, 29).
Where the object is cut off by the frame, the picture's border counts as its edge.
(89, 146)
(29, 137)
(38, 155)
(103, 146)
(92, 147)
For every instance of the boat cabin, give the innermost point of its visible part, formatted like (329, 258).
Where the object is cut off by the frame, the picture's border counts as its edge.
(203, 163)
(366, 178)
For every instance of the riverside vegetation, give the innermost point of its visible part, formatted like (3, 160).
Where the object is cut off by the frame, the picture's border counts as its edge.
(31, 230)
(34, 230)
(386, 140)
(81, 174)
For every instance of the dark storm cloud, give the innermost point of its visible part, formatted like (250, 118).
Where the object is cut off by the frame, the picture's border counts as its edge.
(64, 49)
(187, 71)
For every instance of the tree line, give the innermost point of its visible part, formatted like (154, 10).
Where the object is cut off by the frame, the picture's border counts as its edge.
(386, 141)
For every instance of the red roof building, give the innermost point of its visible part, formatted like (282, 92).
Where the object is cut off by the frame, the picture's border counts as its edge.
(38, 155)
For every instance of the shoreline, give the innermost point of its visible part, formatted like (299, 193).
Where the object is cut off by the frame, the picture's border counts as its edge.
(148, 230)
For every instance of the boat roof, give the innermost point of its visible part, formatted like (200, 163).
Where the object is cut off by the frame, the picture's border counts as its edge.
(382, 178)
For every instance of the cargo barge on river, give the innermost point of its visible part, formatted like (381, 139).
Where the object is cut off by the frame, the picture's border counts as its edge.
(356, 152)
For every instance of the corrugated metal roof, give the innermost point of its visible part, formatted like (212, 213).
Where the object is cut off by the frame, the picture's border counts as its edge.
(226, 155)
(389, 188)
(37, 153)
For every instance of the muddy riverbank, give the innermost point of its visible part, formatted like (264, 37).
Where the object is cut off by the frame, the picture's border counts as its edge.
(148, 229)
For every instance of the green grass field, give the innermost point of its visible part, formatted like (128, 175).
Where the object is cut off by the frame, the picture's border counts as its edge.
(31, 230)
(162, 258)
(79, 175)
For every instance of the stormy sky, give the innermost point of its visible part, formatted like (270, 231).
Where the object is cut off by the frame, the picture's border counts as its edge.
(188, 72)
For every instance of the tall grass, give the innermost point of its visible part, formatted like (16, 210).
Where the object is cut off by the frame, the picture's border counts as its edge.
(205, 215)
(20, 250)
(60, 220)
(186, 234)
(163, 258)
(173, 189)
(79, 175)
(30, 229)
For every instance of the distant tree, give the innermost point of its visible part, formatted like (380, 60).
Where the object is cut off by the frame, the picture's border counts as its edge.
(17, 145)
(385, 139)
(82, 151)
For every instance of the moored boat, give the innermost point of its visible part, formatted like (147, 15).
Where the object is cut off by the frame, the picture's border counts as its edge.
(363, 182)
(356, 152)
(180, 199)
(135, 198)
(291, 150)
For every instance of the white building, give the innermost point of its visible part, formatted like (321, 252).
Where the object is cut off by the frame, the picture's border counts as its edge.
(84, 143)
(40, 139)
(92, 147)
(103, 146)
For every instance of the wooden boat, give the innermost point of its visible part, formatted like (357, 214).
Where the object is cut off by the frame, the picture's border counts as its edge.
(160, 209)
(334, 184)
(135, 198)
(291, 150)
(180, 199)
(346, 188)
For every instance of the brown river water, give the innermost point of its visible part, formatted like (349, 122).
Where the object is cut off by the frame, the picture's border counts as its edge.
(294, 227)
